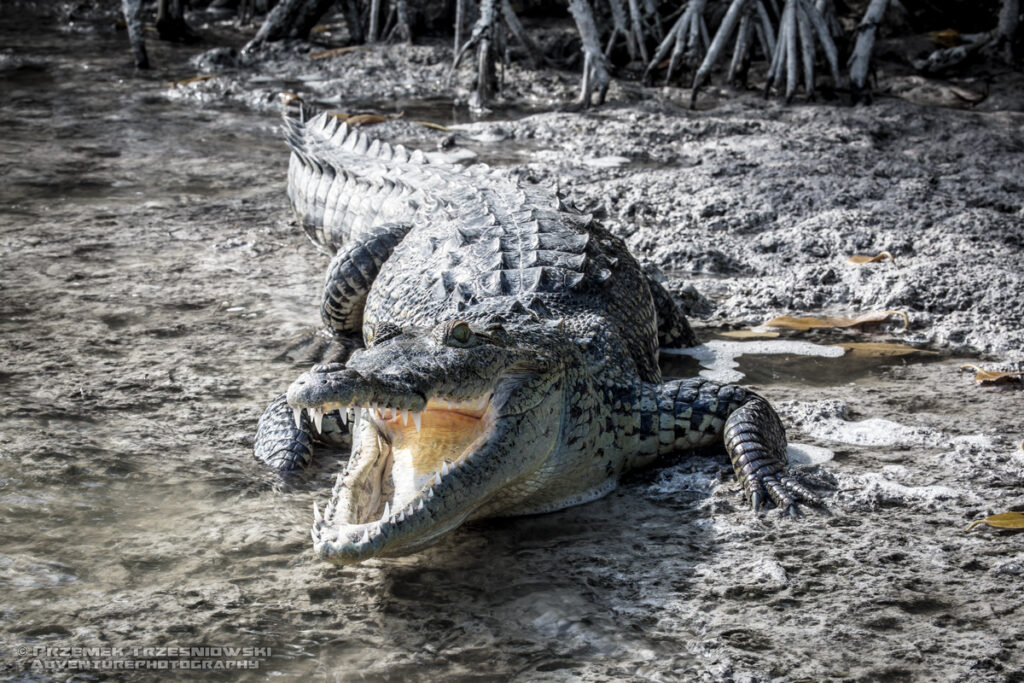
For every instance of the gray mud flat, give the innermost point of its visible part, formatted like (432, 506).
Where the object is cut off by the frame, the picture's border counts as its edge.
(152, 284)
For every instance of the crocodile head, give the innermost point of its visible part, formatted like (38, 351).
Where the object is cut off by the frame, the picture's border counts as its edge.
(449, 421)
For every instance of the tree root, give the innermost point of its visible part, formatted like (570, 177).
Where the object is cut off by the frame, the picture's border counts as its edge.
(860, 58)
(801, 27)
(133, 19)
(595, 81)
(687, 39)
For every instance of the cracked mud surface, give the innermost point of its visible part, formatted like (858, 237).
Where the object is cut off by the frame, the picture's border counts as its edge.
(153, 283)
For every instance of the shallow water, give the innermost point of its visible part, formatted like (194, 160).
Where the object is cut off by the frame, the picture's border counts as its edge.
(151, 285)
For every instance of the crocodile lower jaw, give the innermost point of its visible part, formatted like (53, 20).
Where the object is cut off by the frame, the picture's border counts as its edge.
(407, 483)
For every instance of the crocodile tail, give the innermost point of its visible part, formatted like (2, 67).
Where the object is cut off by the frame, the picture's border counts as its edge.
(342, 183)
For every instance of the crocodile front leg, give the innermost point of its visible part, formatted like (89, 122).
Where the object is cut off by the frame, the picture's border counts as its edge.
(284, 439)
(693, 413)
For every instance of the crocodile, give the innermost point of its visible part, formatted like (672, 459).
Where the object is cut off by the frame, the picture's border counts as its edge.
(510, 353)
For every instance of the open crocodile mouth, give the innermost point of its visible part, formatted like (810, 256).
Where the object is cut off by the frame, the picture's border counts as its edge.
(396, 488)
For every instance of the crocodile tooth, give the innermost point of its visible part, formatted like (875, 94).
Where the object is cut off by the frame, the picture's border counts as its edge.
(366, 536)
(401, 517)
(387, 510)
(315, 534)
(430, 493)
(297, 412)
(417, 419)
(420, 506)
(318, 418)
(436, 480)
(344, 416)
(317, 517)
(405, 417)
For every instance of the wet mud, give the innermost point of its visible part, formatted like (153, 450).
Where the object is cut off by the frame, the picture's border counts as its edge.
(154, 288)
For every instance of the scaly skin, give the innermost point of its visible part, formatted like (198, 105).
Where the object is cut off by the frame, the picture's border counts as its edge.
(511, 353)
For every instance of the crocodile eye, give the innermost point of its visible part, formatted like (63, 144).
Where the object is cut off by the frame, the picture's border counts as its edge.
(461, 332)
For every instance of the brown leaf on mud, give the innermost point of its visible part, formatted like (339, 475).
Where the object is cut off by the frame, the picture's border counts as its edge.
(1004, 520)
(880, 349)
(356, 120)
(993, 376)
(194, 79)
(750, 334)
(967, 95)
(431, 124)
(335, 52)
(787, 322)
(864, 258)
(948, 37)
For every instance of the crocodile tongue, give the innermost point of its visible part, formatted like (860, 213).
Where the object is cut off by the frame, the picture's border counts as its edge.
(418, 454)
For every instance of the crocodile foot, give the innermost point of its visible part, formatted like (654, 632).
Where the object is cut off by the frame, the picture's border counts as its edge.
(285, 438)
(783, 488)
(756, 443)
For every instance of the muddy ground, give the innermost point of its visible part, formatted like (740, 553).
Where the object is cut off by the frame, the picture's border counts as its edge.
(154, 289)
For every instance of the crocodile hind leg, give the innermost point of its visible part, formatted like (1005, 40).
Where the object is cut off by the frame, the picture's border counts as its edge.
(352, 272)
(694, 413)
(674, 329)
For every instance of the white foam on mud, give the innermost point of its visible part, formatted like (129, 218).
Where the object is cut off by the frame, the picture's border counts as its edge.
(451, 157)
(718, 356)
(874, 431)
(806, 454)
(606, 162)
(881, 489)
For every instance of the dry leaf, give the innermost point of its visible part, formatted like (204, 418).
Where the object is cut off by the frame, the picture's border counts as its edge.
(787, 322)
(945, 38)
(435, 126)
(356, 120)
(864, 258)
(1004, 520)
(879, 349)
(194, 79)
(972, 96)
(993, 376)
(336, 52)
(750, 334)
